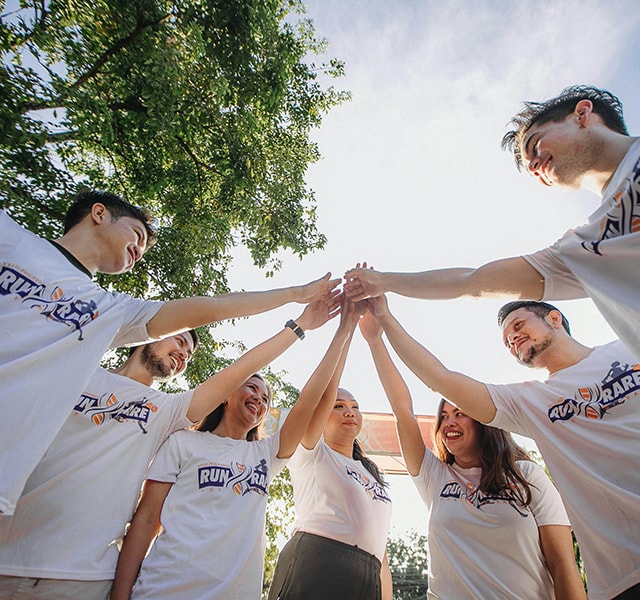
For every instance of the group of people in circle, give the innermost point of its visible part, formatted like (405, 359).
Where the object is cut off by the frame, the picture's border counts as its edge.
(110, 487)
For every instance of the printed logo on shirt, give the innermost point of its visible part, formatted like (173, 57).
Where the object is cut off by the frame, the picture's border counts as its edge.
(595, 402)
(108, 408)
(624, 217)
(52, 305)
(242, 479)
(373, 489)
(478, 498)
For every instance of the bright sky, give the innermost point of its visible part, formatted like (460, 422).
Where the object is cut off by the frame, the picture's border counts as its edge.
(413, 178)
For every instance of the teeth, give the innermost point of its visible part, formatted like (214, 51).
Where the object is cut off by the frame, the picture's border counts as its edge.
(451, 434)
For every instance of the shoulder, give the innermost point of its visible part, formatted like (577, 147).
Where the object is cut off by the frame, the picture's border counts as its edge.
(529, 468)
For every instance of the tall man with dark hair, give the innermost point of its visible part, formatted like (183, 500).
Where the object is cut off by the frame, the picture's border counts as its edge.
(585, 419)
(576, 140)
(57, 323)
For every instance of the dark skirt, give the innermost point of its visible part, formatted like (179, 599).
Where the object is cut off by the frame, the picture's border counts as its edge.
(312, 567)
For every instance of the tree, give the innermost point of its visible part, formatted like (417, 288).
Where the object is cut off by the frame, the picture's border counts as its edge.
(408, 564)
(199, 109)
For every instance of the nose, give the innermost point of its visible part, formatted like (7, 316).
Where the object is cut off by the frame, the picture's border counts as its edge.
(348, 411)
(533, 166)
(512, 337)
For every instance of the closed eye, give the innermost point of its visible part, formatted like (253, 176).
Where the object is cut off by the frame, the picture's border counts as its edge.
(536, 148)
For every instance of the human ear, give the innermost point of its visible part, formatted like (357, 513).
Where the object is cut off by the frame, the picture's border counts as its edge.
(583, 111)
(98, 212)
(556, 319)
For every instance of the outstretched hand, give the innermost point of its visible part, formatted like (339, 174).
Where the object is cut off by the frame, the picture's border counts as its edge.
(378, 307)
(351, 313)
(316, 289)
(370, 329)
(362, 283)
(320, 311)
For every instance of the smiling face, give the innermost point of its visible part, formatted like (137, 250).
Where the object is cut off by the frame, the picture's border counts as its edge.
(562, 153)
(460, 435)
(345, 420)
(527, 336)
(123, 242)
(249, 403)
(167, 358)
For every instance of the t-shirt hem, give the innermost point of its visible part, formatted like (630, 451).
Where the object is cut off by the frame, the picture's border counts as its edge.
(12, 571)
(617, 589)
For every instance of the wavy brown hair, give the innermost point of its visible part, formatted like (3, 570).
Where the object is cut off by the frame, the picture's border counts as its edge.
(498, 454)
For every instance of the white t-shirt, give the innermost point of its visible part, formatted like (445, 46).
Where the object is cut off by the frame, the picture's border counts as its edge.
(84, 491)
(600, 259)
(336, 497)
(213, 542)
(586, 422)
(56, 324)
(486, 547)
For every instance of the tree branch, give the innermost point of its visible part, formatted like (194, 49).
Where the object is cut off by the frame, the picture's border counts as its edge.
(141, 25)
(199, 164)
(119, 45)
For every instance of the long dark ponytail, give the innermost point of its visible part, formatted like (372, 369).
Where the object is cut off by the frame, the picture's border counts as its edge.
(368, 464)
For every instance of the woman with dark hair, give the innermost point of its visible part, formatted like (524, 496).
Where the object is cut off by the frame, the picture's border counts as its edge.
(206, 490)
(497, 526)
(342, 506)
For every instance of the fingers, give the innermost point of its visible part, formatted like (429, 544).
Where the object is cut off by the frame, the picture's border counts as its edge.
(332, 283)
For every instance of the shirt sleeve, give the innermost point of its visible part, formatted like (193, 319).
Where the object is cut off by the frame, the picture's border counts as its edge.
(303, 456)
(136, 314)
(546, 504)
(559, 281)
(509, 400)
(168, 461)
(277, 464)
(424, 479)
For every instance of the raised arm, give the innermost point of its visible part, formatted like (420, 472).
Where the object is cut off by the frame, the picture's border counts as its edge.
(144, 527)
(187, 313)
(468, 394)
(397, 392)
(309, 415)
(208, 395)
(508, 277)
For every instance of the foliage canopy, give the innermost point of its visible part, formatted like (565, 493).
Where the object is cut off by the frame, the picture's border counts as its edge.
(200, 110)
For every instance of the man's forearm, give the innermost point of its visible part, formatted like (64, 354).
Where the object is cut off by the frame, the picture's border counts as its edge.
(187, 313)
(441, 284)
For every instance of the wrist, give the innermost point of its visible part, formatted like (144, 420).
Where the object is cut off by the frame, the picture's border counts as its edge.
(296, 328)
(374, 341)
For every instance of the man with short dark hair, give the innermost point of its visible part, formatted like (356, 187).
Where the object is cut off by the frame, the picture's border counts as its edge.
(585, 419)
(57, 322)
(576, 140)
